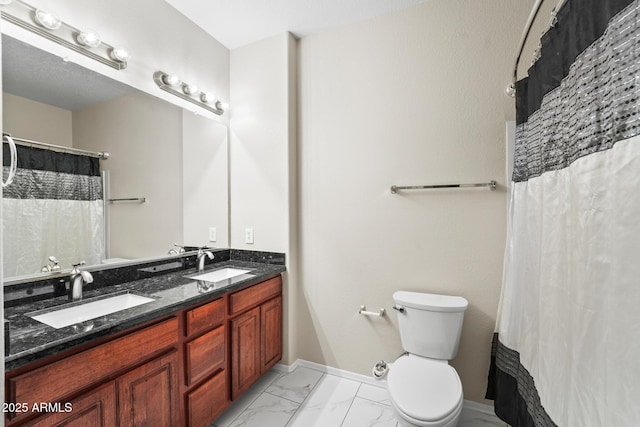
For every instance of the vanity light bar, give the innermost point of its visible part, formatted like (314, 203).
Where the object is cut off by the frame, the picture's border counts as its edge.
(47, 25)
(189, 92)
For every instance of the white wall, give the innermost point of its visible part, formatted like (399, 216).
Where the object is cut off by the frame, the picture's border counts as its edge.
(415, 97)
(262, 158)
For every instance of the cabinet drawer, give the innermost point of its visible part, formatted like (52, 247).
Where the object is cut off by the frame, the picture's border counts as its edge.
(249, 297)
(208, 401)
(59, 379)
(205, 354)
(205, 317)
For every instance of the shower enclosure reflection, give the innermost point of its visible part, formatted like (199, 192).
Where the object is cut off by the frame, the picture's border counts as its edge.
(174, 159)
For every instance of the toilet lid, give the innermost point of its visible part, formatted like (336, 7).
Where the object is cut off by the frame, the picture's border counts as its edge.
(424, 389)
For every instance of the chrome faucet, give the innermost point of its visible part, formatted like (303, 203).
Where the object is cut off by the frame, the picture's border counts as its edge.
(178, 251)
(201, 256)
(77, 280)
(54, 267)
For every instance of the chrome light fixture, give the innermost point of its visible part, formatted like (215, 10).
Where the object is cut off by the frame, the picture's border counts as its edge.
(190, 89)
(49, 26)
(119, 54)
(47, 19)
(88, 38)
(189, 92)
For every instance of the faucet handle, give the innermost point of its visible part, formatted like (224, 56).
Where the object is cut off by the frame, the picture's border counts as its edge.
(75, 267)
(56, 264)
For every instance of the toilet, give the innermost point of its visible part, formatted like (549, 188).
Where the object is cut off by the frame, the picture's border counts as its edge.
(424, 389)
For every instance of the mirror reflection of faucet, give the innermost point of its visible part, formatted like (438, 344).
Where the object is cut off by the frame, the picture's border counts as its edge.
(178, 251)
(52, 268)
(204, 286)
(77, 280)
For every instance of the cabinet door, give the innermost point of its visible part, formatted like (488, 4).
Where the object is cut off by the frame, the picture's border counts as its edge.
(97, 408)
(245, 351)
(148, 395)
(270, 333)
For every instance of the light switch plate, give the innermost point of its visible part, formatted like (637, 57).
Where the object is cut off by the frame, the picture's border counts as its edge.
(213, 234)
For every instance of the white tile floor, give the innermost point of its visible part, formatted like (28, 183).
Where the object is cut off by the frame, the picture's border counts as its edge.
(310, 398)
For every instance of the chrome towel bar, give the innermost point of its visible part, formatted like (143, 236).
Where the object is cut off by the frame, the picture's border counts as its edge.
(363, 311)
(491, 184)
(130, 199)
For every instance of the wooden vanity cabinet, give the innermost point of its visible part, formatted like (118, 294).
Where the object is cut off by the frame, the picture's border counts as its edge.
(107, 382)
(182, 370)
(256, 333)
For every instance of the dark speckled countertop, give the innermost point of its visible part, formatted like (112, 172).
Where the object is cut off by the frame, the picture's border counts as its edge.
(31, 340)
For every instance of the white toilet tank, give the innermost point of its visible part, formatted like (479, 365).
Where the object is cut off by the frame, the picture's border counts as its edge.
(430, 324)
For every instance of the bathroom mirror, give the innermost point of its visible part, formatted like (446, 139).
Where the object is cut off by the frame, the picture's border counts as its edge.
(166, 174)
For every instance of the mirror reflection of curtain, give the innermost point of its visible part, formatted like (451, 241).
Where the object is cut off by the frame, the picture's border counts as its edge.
(54, 207)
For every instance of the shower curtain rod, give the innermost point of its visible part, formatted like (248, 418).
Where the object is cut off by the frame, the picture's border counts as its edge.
(29, 143)
(527, 29)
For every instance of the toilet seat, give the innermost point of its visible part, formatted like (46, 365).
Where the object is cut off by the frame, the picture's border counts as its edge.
(425, 391)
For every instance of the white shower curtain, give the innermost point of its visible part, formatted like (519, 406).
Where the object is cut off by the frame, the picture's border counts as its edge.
(567, 345)
(54, 207)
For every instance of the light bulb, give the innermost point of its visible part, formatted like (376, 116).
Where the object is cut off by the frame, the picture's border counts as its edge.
(190, 89)
(3, 2)
(207, 97)
(171, 80)
(47, 19)
(119, 54)
(222, 105)
(88, 38)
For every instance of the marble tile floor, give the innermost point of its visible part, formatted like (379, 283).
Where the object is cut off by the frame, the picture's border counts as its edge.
(310, 398)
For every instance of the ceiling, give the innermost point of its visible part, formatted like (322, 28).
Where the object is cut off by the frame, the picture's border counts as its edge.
(236, 23)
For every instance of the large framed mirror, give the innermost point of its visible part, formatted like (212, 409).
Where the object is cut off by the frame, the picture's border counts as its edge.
(165, 181)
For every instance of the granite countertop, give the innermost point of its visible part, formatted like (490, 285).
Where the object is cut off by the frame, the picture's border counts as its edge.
(31, 340)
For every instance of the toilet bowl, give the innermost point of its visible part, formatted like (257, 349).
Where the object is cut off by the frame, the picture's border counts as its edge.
(425, 392)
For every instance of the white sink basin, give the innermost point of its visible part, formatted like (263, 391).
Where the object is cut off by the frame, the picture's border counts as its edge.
(221, 274)
(89, 310)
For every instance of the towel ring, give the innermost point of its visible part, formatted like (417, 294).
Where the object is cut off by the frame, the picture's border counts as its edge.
(14, 160)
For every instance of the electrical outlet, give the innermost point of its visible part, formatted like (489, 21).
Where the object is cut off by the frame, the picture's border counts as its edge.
(213, 234)
(248, 236)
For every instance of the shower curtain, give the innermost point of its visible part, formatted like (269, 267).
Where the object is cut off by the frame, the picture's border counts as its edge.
(566, 350)
(54, 207)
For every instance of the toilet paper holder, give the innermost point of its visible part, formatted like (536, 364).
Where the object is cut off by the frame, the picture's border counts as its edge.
(363, 311)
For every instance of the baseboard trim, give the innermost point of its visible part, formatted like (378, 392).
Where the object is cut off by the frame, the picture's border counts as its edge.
(469, 405)
(333, 371)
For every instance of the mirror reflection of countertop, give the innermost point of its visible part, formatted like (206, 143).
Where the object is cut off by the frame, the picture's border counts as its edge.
(31, 340)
